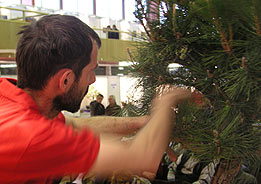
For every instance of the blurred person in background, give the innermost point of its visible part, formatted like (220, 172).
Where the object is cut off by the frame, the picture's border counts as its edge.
(112, 109)
(96, 106)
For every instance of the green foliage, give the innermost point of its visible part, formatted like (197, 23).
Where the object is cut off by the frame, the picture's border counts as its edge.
(218, 43)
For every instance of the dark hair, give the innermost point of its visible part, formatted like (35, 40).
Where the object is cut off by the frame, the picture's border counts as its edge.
(100, 95)
(51, 44)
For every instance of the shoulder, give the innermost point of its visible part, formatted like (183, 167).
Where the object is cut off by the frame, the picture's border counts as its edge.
(93, 102)
(29, 124)
(100, 105)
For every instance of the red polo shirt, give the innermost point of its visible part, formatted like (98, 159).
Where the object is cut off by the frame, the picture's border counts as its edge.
(34, 148)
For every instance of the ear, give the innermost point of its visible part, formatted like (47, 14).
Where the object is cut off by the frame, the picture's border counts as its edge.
(66, 80)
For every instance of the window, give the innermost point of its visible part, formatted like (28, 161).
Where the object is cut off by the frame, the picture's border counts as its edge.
(80, 6)
(27, 2)
(71, 6)
(85, 7)
(129, 10)
(8, 69)
(101, 70)
(10, 2)
(111, 9)
(48, 4)
(119, 70)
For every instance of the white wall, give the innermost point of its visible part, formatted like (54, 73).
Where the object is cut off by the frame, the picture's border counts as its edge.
(114, 88)
(127, 87)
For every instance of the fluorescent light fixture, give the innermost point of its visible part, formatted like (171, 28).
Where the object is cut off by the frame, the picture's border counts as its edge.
(7, 65)
(125, 63)
(174, 65)
(121, 68)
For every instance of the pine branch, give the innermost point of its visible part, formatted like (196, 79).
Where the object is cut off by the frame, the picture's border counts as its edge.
(150, 33)
(173, 19)
(224, 41)
(230, 35)
(257, 21)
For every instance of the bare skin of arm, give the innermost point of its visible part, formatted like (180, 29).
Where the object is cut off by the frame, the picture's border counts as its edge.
(109, 124)
(144, 152)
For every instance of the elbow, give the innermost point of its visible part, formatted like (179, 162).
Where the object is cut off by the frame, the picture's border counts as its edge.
(149, 175)
(151, 167)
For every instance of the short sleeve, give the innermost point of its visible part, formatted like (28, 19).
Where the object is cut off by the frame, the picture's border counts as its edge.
(56, 150)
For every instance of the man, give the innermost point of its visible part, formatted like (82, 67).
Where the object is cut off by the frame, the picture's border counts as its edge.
(116, 34)
(185, 168)
(97, 108)
(108, 31)
(112, 109)
(56, 58)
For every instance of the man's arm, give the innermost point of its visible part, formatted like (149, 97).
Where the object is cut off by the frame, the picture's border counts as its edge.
(145, 151)
(109, 124)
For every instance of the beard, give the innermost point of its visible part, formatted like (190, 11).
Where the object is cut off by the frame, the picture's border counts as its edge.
(71, 101)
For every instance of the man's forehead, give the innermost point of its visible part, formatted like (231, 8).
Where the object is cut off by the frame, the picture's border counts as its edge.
(95, 55)
(94, 60)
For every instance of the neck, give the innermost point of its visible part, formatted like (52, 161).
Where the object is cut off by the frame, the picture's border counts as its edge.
(43, 102)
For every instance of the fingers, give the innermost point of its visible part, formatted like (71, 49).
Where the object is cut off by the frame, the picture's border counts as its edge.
(174, 96)
(169, 100)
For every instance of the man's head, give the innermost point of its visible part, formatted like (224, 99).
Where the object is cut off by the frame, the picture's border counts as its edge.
(111, 100)
(99, 98)
(53, 43)
(60, 47)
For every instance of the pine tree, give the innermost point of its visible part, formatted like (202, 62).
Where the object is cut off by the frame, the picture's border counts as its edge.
(218, 45)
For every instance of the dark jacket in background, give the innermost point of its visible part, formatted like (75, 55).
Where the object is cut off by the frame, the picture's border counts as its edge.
(97, 109)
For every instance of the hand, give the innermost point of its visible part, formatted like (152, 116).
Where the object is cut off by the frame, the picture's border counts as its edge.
(173, 97)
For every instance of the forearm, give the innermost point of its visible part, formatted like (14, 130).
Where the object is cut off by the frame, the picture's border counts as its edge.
(153, 139)
(109, 124)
